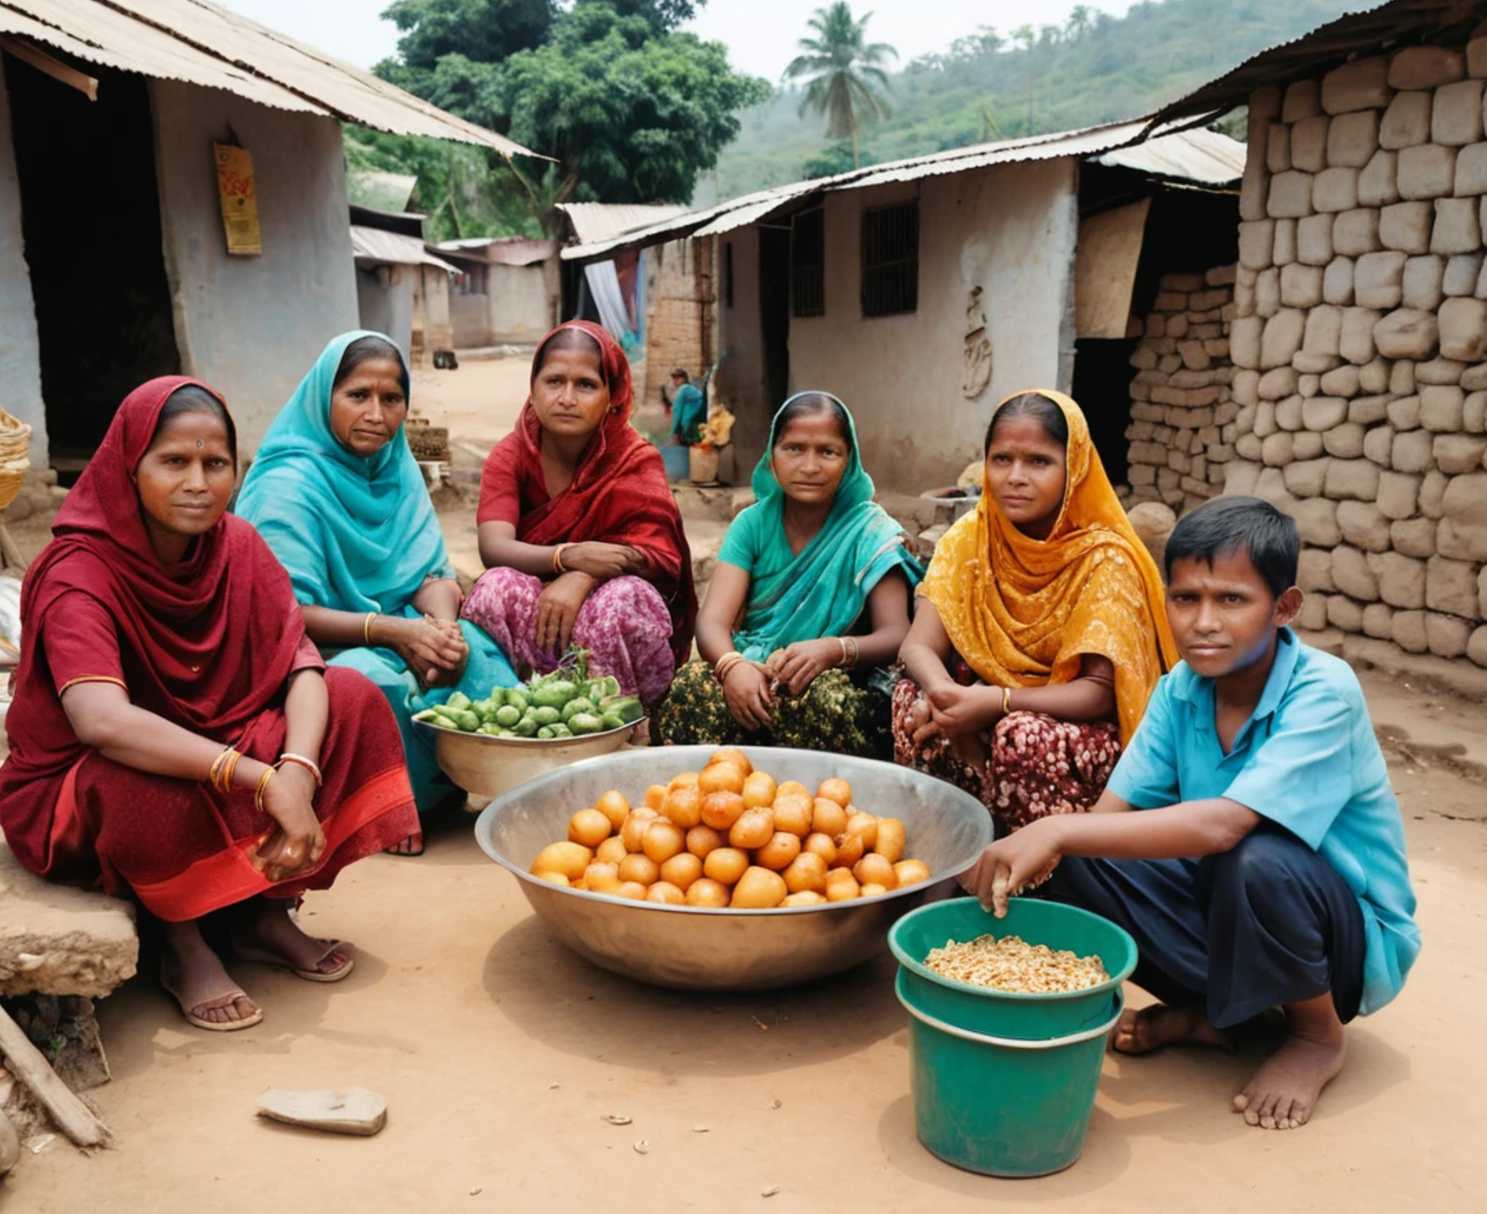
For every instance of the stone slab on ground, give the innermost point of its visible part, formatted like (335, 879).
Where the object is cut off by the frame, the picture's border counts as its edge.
(57, 940)
(335, 1110)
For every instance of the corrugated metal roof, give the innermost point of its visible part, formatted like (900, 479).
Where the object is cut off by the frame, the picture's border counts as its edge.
(1202, 157)
(1357, 33)
(1199, 157)
(500, 250)
(597, 221)
(372, 246)
(381, 191)
(199, 43)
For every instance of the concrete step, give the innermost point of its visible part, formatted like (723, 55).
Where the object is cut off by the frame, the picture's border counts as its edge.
(57, 940)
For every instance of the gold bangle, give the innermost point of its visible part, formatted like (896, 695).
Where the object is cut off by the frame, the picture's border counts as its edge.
(229, 770)
(301, 761)
(558, 567)
(842, 641)
(214, 773)
(856, 652)
(366, 628)
(1006, 701)
(726, 663)
(268, 774)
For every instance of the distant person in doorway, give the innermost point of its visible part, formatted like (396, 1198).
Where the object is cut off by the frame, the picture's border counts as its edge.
(175, 737)
(688, 410)
(580, 534)
(1040, 630)
(808, 606)
(340, 499)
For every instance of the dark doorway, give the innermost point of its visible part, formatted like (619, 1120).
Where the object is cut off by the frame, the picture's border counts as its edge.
(90, 217)
(1102, 386)
(774, 311)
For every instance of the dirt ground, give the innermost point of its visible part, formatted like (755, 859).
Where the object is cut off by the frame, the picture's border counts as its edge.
(498, 1052)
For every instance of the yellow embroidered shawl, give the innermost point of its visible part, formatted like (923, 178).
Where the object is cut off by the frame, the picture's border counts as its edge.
(1022, 612)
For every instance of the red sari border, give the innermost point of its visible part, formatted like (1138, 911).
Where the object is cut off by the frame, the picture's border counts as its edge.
(228, 877)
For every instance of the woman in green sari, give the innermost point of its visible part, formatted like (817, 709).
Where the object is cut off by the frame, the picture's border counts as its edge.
(808, 606)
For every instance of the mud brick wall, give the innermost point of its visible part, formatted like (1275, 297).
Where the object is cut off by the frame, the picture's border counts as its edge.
(1182, 411)
(1359, 341)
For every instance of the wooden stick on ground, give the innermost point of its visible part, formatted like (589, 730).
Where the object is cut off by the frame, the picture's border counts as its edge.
(28, 1065)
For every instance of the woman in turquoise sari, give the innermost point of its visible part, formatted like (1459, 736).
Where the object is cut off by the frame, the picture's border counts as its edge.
(339, 498)
(808, 606)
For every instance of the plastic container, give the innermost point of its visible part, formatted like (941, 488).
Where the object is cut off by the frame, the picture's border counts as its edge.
(1003, 1083)
(678, 461)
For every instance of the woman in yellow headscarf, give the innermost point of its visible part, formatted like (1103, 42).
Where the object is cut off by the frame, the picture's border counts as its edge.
(1040, 631)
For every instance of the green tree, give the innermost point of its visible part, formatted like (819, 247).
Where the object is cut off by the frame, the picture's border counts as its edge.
(1081, 22)
(630, 116)
(483, 30)
(844, 72)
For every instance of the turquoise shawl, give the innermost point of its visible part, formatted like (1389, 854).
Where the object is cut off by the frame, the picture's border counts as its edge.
(356, 534)
(822, 591)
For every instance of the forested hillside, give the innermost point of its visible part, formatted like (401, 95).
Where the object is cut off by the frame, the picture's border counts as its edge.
(993, 84)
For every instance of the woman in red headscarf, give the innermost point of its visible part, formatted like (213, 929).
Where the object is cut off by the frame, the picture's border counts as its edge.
(579, 531)
(174, 737)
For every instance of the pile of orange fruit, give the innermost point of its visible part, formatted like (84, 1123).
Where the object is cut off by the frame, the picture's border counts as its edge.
(730, 836)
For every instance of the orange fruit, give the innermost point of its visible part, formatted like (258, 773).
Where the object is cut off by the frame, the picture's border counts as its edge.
(780, 852)
(665, 839)
(703, 840)
(731, 754)
(759, 790)
(726, 865)
(720, 777)
(614, 807)
(683, 806)
(707, 892)
(721, 810)
(589, 827)
(639, 868)
(681, 870)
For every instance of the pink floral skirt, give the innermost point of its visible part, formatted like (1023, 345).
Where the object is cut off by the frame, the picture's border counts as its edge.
(625, 624)
(1036, 765)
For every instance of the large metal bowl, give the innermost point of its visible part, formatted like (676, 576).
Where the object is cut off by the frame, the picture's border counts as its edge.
(693, 948)
(488, 766)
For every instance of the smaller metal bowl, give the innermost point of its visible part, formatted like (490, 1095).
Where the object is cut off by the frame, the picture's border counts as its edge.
(491, 767)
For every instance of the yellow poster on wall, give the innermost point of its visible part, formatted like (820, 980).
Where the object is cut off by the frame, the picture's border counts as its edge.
(239, 195)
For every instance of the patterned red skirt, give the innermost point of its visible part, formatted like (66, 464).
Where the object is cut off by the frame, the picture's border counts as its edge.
(1036, 766)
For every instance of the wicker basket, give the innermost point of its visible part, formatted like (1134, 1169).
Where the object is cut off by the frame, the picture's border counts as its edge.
(15, 444)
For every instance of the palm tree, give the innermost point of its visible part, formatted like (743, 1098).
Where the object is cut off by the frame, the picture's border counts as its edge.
(1081, 21)
(842, 69)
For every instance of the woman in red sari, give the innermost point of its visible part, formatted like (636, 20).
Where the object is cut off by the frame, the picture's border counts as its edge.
(174, 737)
(578, 528)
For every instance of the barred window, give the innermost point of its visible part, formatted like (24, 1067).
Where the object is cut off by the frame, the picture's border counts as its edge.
(890, 259)
(808, 263)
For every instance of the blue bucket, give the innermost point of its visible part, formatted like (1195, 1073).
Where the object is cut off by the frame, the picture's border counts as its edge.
(678, 461)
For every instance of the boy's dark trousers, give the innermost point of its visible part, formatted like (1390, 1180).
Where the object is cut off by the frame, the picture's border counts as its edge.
(1267, 923)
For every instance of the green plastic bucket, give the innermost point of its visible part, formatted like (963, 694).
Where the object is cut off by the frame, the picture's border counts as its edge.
(1003, 1083)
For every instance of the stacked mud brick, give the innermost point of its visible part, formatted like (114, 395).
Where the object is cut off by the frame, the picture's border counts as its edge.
(1359, 340)
(1182, 414)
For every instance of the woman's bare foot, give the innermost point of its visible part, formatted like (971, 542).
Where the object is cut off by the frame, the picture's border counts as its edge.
(193, 973)
(1284, 1092)
(264, 929)
(411, 846)
(1151, 1028)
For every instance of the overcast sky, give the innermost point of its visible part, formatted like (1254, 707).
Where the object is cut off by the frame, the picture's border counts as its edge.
(760, 34)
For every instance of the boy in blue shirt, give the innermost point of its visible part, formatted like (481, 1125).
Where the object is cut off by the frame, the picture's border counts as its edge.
(1268, 867)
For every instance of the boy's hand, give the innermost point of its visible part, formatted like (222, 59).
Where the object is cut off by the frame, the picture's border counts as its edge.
(1025, 857)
